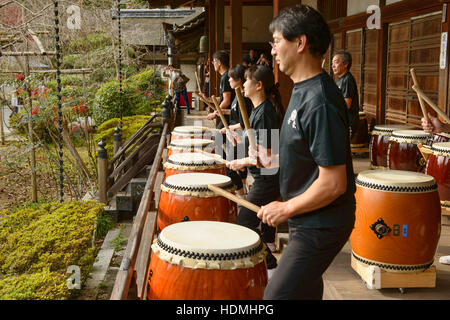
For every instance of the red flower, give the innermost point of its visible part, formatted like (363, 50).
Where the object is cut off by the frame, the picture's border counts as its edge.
(19, 76)
(35, 94)
(35, 110)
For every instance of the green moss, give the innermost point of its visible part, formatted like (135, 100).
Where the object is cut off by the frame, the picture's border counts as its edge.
(38, 244)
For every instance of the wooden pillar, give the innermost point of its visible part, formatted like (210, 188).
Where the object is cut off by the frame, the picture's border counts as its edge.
(383, 35)
(444, 98)
(212, 45)
(286, 84)
(220, 36)
(236, 32)
(102, 172)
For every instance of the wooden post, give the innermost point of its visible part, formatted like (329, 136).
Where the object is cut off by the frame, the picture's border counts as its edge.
(117, 140)
(102, 172)
(212, 45)
(444, 70)
(2, 132)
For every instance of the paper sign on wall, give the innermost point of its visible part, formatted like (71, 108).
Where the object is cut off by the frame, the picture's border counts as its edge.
(443, 59)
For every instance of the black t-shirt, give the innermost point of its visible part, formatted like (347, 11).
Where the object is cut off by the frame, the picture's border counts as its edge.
(236, 115)
(315, 133)
(225, 87)
(263, 120)
(348, 87)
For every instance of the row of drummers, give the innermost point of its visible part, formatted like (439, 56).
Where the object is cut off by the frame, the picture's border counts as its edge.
(201, 253)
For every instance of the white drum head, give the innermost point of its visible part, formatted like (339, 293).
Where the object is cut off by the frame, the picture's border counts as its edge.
(387, 129)
(397, 181)
(191, 143)
(410, 136)
(196, 184)
(190, 129)
(441, 148)
(191, 158)
(209, 245)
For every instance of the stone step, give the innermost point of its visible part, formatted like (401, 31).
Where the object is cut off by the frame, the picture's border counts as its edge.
(124, 201)
(111, 211)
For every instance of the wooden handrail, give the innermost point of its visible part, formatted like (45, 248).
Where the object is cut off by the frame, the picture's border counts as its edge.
(126, 271)
(134, 137)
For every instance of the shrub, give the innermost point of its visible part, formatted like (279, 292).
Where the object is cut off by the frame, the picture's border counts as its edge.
(38, 244)
(141, 94)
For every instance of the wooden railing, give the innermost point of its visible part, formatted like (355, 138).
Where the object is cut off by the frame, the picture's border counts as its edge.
(134, 267)
(128, 160)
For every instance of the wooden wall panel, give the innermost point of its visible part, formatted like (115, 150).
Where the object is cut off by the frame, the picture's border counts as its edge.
(370, 66)
(413, 43)
(354, 47)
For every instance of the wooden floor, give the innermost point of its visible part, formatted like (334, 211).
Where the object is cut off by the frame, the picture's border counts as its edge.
(341, 282)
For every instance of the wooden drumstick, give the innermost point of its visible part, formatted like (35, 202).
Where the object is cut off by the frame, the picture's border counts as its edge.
(214, 156)
(248, 128)
(198, 82)
(234, 198)
(202, 99)
(422, 104)
(431, 103)
(222, 117)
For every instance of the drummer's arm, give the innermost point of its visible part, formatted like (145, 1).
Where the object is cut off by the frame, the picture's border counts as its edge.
(348, 101)
(329, 185)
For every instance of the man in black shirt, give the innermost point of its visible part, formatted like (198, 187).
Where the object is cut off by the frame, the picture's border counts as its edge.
(341, 64)
(316, 173)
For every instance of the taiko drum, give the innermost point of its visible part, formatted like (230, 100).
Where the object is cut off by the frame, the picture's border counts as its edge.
(193, 162)
(378, 145)
(207, 260)
(186, 197)
(438, 167)
(438, 137)
(398, 220)
(403, 152)
(361, 138)
(191, 132)
(190, 145)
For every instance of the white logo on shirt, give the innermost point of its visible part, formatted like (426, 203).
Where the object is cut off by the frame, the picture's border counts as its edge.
(292, 118)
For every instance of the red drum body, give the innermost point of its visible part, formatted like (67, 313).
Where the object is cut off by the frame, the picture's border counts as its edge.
(204, 260)
(378, 146)
(398, 220)
(361, 138)
(186, 197)
(192, 162)
(403, 153)
(190, 145)
(191, 132)
(438, 167)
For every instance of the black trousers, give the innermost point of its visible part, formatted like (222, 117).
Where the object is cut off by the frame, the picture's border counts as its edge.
(264, 190)
(308, 255)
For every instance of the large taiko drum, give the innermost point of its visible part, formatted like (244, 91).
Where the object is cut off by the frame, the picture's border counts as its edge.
(398, 220)
(186, 197)
(206, 260)
(403, 152)
(192, 132)
(361, 138)
(190, 145)
(378, 145)
(438, 166)
(193, 162)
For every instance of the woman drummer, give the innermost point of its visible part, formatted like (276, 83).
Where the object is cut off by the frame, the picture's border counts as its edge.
(266, 116)
(236, 79)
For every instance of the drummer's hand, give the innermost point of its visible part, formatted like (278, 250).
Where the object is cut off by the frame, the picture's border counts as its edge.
(211, 116)
(233, 136)
(237, 165)
(434, 125)
(274, 213)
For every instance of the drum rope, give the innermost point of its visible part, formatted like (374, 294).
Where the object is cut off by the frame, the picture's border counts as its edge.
(393, 267)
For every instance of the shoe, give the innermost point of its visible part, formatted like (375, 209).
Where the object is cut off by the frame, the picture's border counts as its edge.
(444, 259)
(270, 272)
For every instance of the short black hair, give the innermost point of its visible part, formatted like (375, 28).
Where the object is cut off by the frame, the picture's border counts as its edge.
(294, 21)
(223, 57)
(237, 72)
(346, 58)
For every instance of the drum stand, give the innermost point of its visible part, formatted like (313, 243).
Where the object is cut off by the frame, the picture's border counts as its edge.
(375, 278)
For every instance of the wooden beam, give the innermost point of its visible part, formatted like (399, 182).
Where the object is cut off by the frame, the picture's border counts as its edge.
(212, 45)
(443, 98)
(235, 32)
(26, 53)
